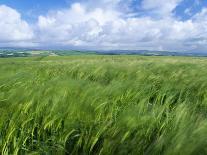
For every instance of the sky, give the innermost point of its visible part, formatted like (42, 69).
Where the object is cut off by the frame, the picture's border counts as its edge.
(173, 25)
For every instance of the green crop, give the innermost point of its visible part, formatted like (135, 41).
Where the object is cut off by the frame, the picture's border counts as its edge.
(103, 105)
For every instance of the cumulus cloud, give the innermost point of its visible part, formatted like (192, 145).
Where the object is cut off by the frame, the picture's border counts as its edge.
(12, 27)
(76, 25)
(109, 27)
(106, 26)
(161, 8)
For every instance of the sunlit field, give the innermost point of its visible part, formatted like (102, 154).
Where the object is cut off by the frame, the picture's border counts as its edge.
(103, 105)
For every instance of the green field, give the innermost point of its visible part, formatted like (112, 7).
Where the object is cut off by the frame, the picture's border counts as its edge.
(103, 105)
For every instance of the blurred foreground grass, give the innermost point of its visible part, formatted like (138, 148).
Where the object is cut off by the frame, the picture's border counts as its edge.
(103, 105)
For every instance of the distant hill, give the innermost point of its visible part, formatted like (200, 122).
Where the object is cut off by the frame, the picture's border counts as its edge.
(150, 53)
(25, 52)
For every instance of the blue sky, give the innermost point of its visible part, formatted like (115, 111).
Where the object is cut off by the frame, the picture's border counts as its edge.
(105, 24)
(194, 7)
(33, 8)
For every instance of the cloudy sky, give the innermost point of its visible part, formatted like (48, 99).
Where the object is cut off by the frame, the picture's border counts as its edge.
(175, 25)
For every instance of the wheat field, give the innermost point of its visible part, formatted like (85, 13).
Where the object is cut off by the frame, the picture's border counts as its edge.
(103, 105)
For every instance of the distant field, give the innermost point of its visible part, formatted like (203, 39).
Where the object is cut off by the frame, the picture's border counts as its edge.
(9, 53)
(103, 105)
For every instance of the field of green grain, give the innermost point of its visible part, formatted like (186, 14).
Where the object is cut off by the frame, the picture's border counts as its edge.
(103, 105)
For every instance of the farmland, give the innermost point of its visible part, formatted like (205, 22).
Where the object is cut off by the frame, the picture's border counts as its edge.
(89, 104)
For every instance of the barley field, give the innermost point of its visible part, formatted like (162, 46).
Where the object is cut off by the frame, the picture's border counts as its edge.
(103, 105)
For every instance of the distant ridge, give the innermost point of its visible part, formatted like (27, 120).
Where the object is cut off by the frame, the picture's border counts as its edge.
(151, 53)
(107, 52)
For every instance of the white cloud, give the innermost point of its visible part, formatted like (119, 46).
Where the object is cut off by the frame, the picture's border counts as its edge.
(106, 26)
(188, 11)
(12, 27)
(76, 24)
(162, 8)
(201, 16)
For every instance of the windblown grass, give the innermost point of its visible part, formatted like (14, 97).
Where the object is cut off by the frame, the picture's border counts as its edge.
(103, 105)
